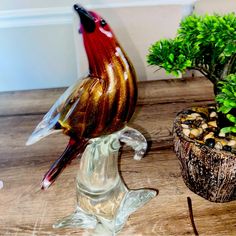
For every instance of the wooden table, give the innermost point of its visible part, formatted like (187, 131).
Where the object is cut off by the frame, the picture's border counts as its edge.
(26, 210)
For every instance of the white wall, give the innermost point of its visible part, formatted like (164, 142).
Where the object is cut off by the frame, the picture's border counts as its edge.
(214, 6)
(37, 57)
(37, 47)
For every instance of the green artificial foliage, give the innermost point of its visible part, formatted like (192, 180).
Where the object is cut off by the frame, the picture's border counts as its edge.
(204, 43)
(227, 101)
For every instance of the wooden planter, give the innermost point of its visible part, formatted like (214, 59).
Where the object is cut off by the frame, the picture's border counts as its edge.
(208, 172)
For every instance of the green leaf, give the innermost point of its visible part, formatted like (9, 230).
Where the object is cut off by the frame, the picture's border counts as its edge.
(226, 91)
(230, 49)
(231, 118)
(226, 130)
(171, 57)
(224, 109)
(233, 129)
(188, 63)
(227, 103)
(227, 100)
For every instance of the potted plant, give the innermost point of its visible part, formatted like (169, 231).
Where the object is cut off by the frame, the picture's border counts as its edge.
(205, 137)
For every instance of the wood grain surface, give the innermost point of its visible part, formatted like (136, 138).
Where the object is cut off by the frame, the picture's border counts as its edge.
(27, 210)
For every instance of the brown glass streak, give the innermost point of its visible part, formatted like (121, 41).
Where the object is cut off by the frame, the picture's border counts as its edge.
(124, 98)
(118, 117)
(107, 59)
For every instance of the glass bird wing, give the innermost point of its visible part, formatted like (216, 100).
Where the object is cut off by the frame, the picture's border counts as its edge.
(56, 119)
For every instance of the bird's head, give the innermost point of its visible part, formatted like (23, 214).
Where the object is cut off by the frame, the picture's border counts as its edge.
(99, 41)
(92, 25)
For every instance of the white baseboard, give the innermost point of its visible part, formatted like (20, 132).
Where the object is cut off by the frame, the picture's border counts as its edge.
(63, 15)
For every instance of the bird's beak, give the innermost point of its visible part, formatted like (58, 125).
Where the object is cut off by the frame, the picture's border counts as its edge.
(86, 19)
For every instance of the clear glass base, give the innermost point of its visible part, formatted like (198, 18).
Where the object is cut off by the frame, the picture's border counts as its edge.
(103, 201)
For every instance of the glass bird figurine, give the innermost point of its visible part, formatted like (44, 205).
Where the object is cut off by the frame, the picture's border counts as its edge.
(94, 114)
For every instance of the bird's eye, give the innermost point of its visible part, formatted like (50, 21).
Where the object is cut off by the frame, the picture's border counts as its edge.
(103, 22)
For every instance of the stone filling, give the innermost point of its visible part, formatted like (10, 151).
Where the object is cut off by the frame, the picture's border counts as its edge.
(201, 125)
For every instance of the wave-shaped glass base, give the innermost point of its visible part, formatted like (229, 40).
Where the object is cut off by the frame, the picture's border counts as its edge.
(104, 203)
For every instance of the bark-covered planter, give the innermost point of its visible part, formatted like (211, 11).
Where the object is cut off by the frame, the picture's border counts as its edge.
(207, 171)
